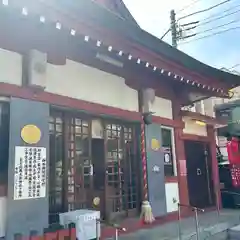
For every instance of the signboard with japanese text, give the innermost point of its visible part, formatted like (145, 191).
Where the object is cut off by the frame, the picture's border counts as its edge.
(30, 172)
(167, 155)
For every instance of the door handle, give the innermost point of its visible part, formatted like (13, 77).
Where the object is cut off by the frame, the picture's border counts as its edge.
(199, 172)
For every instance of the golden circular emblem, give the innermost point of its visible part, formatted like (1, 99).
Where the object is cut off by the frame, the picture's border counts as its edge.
(155, 145)
(31, 134)
(96, 201)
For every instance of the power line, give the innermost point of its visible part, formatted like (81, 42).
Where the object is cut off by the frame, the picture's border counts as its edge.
(187, 6)
(184, 8)
(234, 66)
(217, 14)
(165, 33)
(218, 26)
(218, 18)
(205, 10)
(211, 35)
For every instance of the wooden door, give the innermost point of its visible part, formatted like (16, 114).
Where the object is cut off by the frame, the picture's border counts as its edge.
(83, 167)
(70, 173)
(121, 171)
(56, 163)
(198, 174)
(99, 169)
(210, 177)
(79, 168)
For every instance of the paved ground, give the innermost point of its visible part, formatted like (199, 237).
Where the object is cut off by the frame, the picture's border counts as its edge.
(212, 226)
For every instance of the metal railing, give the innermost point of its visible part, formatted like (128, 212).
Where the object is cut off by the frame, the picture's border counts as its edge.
(117, 228)
(196, 211)
(230, 192)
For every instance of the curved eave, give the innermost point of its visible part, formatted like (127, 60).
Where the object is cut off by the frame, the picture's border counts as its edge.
(131, 31)
(163, 61)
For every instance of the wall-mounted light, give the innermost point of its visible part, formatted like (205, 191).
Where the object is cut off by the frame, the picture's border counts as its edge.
(201, 123)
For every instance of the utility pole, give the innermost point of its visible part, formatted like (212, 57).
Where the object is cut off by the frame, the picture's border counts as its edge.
(178, 31)
(173, 28)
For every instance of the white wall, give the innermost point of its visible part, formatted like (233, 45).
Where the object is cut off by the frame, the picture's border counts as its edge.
(191, 127)
(83, 82)
(162, 107)
(90, 84)
(172, 196)
(3, 207)
(10, 67)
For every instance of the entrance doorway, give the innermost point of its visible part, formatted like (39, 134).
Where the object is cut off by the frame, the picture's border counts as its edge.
(85, 165)
(199, 174)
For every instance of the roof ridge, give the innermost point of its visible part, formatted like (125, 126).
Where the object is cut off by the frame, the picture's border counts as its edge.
(120, 10)
(124, 11)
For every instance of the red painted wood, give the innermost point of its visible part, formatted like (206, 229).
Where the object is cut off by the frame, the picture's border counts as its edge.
(216, 180)
(64, 233)
(171, 179)
(35, 238)
(167, 122)
(72, 234)
(27, 93)
(193, 137)
(180, 156)
(42, 96)
(51, 236)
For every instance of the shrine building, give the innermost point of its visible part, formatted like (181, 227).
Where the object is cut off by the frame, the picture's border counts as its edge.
(75, 80)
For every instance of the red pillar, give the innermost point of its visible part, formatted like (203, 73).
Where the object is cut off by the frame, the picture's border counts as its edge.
(216, 181)
(180, 157)
(181, 167)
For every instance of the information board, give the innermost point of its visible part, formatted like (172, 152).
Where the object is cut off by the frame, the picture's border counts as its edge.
(30, 172)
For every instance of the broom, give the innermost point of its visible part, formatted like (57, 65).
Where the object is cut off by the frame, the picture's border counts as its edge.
(146, 210)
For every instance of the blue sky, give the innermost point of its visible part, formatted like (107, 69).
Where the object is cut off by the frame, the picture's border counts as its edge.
(219, 51)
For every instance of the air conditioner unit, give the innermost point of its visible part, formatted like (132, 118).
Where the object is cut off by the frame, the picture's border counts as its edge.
(37, 69)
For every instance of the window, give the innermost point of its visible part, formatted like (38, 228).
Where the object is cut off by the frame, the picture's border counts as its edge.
(169, 151)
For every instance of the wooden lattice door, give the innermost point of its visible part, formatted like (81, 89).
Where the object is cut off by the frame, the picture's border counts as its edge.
(56, 180)
(70, 177)
(79, 165)
(83, 166)
(121, 171)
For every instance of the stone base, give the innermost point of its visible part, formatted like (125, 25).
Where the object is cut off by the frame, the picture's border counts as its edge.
(234, 233)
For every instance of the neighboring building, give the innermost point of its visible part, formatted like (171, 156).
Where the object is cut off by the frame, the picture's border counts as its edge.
(75, 78)
(206, 106)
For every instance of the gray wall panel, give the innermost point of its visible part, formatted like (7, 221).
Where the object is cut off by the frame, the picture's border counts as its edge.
(30, 214)
(156, 179)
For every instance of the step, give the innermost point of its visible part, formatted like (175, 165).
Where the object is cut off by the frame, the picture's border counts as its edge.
(234, 233)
